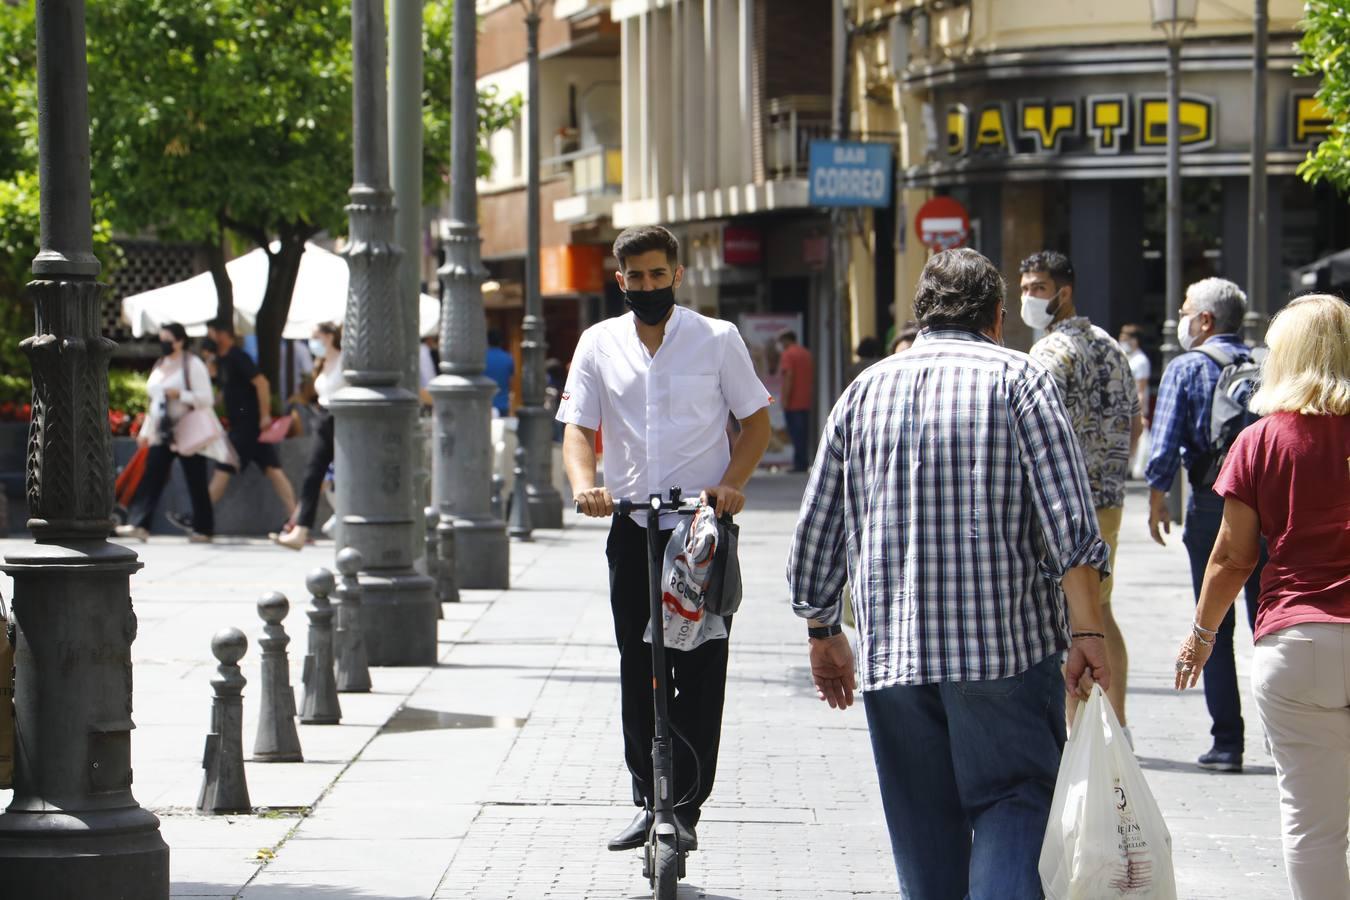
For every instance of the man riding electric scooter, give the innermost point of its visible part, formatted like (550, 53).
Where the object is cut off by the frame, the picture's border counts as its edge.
(660, 381)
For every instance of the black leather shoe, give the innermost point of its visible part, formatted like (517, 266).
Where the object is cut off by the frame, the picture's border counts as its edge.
(635, 835)
(1221, 761)
(688, 836)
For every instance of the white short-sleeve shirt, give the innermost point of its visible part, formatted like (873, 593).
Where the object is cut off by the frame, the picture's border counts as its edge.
(663, 416)
(1139, 365)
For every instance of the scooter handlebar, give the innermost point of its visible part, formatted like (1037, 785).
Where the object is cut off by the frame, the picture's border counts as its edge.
(628, 506)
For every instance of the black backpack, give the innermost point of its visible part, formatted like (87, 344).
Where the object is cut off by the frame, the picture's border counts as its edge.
(1239, 377)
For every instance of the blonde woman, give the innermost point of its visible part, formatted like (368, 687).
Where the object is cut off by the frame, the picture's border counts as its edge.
(1287, 479)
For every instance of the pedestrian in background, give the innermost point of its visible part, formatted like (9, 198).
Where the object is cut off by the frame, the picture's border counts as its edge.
(325, 344)
(500, 366)
(248, 408)
(869, 351)
(1212, 312)
(178, 384)
(1132, 342)
(799, 375)
(1287, 480)
(661, 380)
(950, 493)
(428, 366)
(904, 339)
(1094, 381)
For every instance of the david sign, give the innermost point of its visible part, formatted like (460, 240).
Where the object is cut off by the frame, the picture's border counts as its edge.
(850, 173)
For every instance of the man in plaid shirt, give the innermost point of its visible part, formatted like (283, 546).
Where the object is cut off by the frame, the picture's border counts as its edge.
(950, 492)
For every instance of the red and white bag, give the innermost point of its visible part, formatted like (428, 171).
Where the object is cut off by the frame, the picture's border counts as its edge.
(685, 621)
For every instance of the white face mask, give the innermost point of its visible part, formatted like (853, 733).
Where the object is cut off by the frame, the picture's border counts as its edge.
(1184, 337)
(317, 348)
(1036, 312)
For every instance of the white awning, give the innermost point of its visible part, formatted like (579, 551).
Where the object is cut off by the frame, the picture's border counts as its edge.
(320, 296)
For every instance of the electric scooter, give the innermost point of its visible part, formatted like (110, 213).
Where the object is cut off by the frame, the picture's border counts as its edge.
(662, 857)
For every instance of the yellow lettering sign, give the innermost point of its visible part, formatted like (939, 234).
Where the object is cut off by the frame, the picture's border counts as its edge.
(1196, 118)
(1047, 123)
(991, 128)
(1108, 121)
(1312, 122)
(958, 137)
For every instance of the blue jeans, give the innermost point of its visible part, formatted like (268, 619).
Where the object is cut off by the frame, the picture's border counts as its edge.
(799, 427)
(1204, 512)
(967, 772)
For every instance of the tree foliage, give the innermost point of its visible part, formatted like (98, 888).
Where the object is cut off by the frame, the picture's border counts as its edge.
(1325, 46)
(210, 116)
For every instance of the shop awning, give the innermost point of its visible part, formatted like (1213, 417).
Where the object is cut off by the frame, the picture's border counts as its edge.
(320, 296)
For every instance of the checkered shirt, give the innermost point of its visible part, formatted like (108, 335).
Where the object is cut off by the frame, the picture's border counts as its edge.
(949, 491)
(1180, 427)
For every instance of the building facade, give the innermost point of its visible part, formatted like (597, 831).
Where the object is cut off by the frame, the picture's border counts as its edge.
(1047, 120)
(579, 166)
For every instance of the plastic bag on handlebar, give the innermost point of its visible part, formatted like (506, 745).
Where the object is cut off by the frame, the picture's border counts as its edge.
(724, 582)
(686, 622)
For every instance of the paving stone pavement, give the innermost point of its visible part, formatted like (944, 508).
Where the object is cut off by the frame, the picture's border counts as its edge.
(498, 773)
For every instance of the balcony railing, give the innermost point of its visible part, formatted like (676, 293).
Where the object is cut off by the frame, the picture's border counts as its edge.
(792, 124)
(595, 170)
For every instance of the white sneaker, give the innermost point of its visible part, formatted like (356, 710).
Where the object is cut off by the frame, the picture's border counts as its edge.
(327, 528)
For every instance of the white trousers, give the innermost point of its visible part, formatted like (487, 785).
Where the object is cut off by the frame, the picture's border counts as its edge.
(1301, 678)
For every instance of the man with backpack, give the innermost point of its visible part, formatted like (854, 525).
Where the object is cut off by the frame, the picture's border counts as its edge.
(1202, 406)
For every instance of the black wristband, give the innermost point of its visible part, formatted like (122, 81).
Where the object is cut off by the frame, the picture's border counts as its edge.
(824, 631)
(1088, 634)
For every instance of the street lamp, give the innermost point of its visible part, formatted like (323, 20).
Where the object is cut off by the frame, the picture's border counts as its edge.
(534, 425)
(461, 472)
(1173, 17)
(73, 828)
(1258, 283)
(374, 415)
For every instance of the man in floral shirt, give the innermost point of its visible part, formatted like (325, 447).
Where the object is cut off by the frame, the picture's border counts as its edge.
(1094, 380)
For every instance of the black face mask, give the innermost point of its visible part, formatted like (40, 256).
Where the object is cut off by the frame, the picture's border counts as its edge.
(650, 306)
(166, 347)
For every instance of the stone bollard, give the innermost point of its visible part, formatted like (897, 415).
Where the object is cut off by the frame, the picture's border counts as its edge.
(320, 705)
(353, 665)
(277, 739)
(435, 570)
(224, 789)
(518, 525)
(447, 585)
(498, 502)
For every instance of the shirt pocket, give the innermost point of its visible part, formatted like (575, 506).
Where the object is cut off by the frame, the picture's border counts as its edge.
(694, 399)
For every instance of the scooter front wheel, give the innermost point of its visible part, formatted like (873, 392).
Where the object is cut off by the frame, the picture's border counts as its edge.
(665, 871)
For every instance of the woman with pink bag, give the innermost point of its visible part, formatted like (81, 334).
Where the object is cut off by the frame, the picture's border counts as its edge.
(178, 386)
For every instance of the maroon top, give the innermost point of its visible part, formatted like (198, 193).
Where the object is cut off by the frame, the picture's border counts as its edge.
(1294, 470)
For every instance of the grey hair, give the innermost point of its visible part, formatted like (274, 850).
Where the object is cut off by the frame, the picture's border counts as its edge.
(1221, 299)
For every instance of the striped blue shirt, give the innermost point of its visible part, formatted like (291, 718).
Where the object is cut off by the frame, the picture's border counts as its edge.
(1180, 427)
(950, 492)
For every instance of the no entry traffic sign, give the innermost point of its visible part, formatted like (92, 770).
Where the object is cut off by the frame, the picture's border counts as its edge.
(942, 223)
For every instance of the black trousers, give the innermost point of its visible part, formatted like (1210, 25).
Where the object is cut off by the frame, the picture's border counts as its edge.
(320, 458)
(158, 462)
(696, 680)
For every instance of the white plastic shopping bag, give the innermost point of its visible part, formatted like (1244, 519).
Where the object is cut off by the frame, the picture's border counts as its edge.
(685, 622)
(1106, 837)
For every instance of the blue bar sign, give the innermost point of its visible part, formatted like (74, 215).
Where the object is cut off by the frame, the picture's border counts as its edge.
(850, 173)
